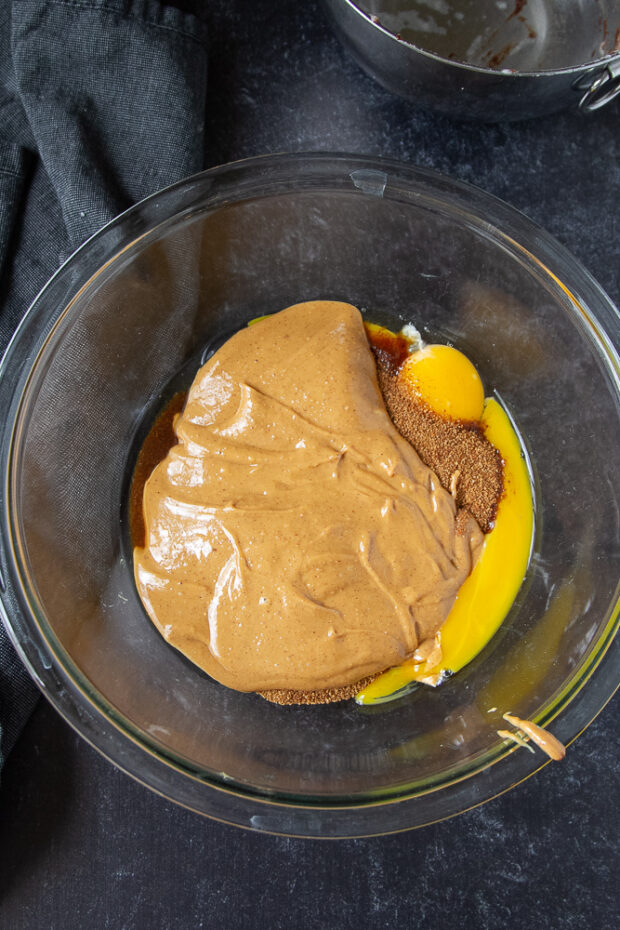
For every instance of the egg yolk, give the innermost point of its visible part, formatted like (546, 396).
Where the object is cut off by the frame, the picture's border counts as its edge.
(446, 381)
(487, 594)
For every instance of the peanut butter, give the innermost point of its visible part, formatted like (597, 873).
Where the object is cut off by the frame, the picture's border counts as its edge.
(543, 739)
(293, 539)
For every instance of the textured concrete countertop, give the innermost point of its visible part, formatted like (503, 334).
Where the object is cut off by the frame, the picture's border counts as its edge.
(85, 846)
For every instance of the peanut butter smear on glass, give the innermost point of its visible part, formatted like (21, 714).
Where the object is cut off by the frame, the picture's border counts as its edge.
(293, 538)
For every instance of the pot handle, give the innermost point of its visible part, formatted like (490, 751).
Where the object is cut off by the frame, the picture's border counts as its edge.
(600, 87)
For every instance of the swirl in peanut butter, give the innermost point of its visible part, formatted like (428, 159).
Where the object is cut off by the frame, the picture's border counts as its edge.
(293, 539)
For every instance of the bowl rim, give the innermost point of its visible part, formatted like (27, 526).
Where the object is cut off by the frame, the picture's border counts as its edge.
(605, 61)
(46, 664)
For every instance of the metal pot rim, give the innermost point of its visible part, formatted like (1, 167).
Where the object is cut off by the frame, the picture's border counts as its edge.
(605, 61)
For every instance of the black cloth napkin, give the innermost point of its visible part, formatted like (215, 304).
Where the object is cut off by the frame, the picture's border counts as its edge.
(102, 102)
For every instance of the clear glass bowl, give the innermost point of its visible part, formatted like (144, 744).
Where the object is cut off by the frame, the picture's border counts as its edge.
(126, 321)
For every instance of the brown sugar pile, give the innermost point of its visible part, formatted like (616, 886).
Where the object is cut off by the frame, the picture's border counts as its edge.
(325, 696)
(464, 461)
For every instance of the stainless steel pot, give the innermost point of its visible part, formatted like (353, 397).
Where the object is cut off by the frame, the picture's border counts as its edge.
(488, 59)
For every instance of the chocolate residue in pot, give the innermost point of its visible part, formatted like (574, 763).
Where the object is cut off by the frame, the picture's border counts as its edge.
(518, 7)
(498, 59)
(531, 33)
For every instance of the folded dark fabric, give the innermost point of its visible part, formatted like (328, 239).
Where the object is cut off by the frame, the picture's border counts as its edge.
(101, 103)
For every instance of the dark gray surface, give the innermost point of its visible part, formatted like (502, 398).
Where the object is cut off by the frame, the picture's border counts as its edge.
(84, 846)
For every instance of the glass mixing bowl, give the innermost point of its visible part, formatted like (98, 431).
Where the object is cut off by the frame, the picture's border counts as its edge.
(125, 323)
